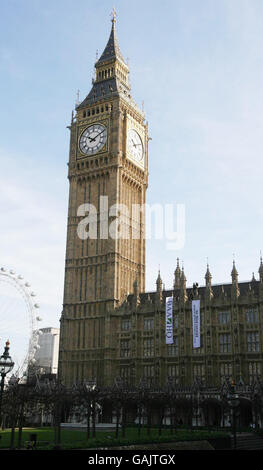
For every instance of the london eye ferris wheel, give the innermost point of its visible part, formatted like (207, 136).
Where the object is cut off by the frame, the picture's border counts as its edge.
(19, 320)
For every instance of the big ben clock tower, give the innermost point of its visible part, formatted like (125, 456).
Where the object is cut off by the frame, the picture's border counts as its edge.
(105, 253)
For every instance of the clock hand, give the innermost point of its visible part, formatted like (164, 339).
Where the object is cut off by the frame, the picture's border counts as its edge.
(135, 145)
(94, 138)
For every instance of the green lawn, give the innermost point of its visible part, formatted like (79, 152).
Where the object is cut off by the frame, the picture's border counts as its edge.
(71, 439)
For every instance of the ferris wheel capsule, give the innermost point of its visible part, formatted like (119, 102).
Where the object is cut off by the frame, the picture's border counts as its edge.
(12, 272)
(3, 269)
(36, 306)
(27, 284)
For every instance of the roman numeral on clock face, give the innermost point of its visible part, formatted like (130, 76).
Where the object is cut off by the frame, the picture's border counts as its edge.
(92, 139)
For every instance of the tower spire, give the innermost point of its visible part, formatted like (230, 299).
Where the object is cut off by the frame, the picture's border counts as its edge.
(208, 276)
(260, 271)
(159, 282)
(111, 72)
(112, 50)
(208, 282)
(177, 276)
(183, 292)
(234, 275)
(159, 287)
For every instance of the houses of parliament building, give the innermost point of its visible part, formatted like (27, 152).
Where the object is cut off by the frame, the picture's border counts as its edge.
(111, 327)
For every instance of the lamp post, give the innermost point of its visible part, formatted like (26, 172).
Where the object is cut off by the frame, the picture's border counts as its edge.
(233, 401)
(6, 365)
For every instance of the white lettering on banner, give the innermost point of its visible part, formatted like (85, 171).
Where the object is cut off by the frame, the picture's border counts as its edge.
(196, 323)
(169, 320)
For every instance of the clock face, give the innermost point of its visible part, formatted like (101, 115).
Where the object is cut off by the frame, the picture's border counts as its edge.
(135, 146)
(93, 139)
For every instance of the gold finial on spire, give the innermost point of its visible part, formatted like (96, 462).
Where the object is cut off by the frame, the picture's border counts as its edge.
(113, 16)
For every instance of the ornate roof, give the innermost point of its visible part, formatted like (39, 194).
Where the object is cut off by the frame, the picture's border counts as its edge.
(100, 90)
(109, 86)
(112, 50)
(217, 291)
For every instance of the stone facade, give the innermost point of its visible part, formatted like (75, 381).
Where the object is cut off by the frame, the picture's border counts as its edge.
(231, 334)
(100, 271)
(109, 326)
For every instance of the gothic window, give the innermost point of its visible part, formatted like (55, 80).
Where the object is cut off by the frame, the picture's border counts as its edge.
(223, 318)
(254, 371)
(252, 342)
(148, 324)
(173, 348)
(125, 348)
(199, 371)
(126, 324)
(176, 322)
(148, 373)
(251, 315)
(148, 347)
(225, 342)
(173, 372)
(225, 371)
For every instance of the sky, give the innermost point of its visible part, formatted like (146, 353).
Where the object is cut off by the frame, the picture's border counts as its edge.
(196, 65)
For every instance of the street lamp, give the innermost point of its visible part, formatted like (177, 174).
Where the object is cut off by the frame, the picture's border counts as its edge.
(6, 365)
(233, 401)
